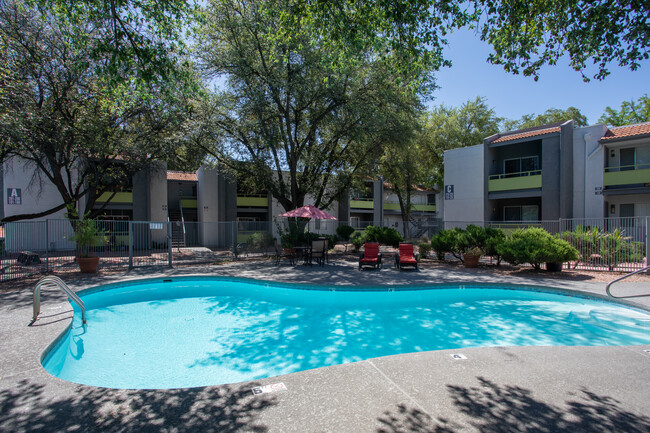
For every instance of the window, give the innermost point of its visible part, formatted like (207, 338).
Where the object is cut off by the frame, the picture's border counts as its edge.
(627, 210)
(521, 213)
(628, 159)
(518, 166)
(431, 199)
(354, 222)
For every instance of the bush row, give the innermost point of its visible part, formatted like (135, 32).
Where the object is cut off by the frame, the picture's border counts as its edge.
(532, 245)
(383, 235)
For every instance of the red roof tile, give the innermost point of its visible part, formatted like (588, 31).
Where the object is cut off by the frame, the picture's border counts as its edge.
(526, 134)
(627, 131)
(186, 176)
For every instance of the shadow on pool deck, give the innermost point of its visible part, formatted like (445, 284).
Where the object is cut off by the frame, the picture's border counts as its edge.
(223, 409)
(487, 407)
(511, 408)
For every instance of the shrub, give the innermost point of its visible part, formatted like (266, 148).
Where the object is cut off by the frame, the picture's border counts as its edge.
(535, 246)
(445, 241)
(383, 235)
(260, 240)
(494, 237)
(526, 246)
(424, 249)
(345, 232)
(615, 248)
(358, 239)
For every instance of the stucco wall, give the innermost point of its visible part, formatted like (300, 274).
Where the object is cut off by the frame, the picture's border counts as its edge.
(464, 169)
(588, 160)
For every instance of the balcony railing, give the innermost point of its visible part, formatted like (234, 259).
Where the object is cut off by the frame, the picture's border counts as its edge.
(118, 198)
(416, 207)
(188, 202)
(253, 200)
(362, 203)
(514, 181)
(627, 175)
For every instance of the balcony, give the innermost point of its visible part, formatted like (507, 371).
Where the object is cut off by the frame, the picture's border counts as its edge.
(259, 200)
(362, 203)
(515, 181)
(627, 175)
(118, 198)
(188, 203)
(415, 207)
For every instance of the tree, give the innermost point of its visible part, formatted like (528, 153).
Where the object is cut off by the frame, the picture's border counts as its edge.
(631, 112)
(292, 121)
(524, 35)
(403, 165)
(448, 128)
(134, 41)
(552, 115)
(65, 121)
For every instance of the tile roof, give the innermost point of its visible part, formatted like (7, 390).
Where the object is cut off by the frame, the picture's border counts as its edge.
(521, 135)
(627, 131)
(186, 176)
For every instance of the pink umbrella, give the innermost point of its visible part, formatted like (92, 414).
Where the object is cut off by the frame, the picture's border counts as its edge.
(308, 211)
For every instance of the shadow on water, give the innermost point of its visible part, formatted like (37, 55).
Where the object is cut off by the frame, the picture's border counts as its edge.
(278, 339)
(490, 407)
(223, 409)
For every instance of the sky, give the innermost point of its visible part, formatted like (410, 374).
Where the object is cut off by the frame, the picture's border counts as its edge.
(512, 96)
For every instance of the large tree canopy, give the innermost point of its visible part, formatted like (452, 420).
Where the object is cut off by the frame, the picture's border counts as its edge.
(552, 115)
(447, 128)
(630, 112)
(291, 120)
(66, 121)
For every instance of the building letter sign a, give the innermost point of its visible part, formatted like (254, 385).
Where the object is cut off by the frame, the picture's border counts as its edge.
(14, 196)
(449, 192)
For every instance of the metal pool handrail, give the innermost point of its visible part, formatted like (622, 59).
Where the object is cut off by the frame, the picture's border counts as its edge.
(56, 281)
(622, 278)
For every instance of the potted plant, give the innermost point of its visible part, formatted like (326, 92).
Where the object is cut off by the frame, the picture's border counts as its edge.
(288, 243)
(87, 235)
(471, 257)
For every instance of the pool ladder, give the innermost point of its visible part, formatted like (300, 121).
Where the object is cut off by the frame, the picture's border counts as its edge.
(58, 282)
(622, 278)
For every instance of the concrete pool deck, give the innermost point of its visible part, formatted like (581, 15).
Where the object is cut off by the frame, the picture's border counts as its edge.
(511, 389)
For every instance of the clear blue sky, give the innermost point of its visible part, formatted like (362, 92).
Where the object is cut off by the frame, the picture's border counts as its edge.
(512, 96)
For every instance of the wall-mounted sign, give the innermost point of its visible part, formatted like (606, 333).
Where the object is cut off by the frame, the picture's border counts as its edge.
(155, 226)
(599, 190)
(14, 196)
(449, 192)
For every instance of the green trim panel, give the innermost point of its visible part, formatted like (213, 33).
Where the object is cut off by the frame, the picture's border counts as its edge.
(188, 203)
(120, 197)
(252, 201)
(627, 177)
(416, 207)
(362, 204)
(514, 183)
(424, 207)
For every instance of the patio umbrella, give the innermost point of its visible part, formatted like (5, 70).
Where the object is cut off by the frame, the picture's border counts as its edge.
(308, 211)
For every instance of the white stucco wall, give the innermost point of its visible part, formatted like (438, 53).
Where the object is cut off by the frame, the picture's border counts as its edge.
(464, 169)
(36, 196)
(207, 206)
(588, 165)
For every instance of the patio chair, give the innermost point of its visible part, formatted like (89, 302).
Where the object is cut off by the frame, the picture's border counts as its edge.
(318, 252)
(370, 256)
(405, 256)
(280, 253)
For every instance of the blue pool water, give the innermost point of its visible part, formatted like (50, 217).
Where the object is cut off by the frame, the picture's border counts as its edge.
(194, 332)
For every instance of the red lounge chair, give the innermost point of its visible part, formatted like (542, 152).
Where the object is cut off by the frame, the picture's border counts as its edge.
(405, 257)
(370, 256)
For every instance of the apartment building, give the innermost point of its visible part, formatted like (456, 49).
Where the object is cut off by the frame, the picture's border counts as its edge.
(551, 172)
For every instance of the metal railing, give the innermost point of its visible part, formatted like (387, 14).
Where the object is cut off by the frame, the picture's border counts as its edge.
(57, 282)
(622, 278)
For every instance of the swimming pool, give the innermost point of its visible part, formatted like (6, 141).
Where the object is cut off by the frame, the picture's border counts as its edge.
(208, 331)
